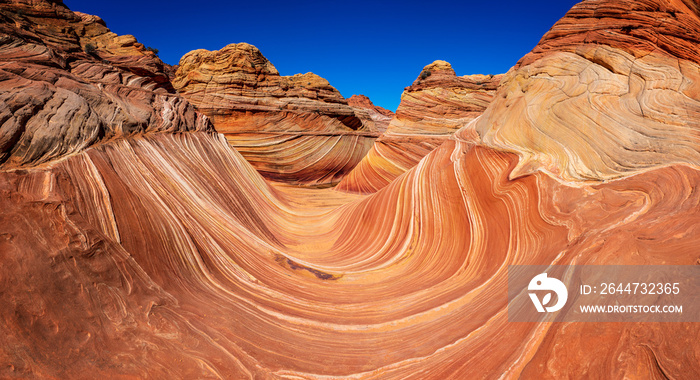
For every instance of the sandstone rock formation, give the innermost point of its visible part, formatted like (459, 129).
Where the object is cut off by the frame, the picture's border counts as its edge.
(431, 110)
(69, 83)
(217, 266)
(381, 116)
(167, 255)
(296, 129)
(612, 89)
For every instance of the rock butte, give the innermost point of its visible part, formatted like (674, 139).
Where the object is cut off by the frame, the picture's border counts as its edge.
(437, 104)
(381, 117)
(296, 129)
(162, 253)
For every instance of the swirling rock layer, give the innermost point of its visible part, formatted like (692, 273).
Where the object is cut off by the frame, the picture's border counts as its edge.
(431, 110)
(296, 129)
(167, 255)
(219, 275)
(69, 83)
(612, 89)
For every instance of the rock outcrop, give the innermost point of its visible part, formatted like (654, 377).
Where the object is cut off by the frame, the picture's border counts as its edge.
(612, 89)
(436, 105)
(67, 82)
(296, 129)
(167, 255)
(381, 116)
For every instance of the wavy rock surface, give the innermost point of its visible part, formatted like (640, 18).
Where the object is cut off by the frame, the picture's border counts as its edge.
(56, 99)
(167, 255)
(220, 275)
(431, 110)
(611, 90)
(381, 116)
(296, 129)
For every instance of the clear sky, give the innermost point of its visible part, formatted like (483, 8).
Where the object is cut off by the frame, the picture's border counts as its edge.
(375, 48)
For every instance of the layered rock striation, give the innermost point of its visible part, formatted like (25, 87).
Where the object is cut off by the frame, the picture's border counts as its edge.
(67, 83)
(296, 129)
(165, 254)
(381, 116)
(612, 89)
(437, 104)
(174, 242)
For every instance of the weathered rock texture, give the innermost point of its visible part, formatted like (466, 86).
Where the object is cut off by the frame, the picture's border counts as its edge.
(431, 110)
(613, 88)
(381, 116)
(296, 129)
(67, 82)
(167, 255)
(176, 244)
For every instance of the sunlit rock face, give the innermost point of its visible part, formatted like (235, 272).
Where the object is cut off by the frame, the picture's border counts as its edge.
(431, 110)
(381, 116)
(175, 243)
(168, 256)
(67, 82)
(612, 89)
(295, 129)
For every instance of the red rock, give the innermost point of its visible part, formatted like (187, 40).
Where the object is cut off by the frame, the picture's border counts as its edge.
(296, 129)
(172, 264)
(431, 110)
(381, 116)
(56, 99)
(638, 27)
(595, 101)
(167, 255)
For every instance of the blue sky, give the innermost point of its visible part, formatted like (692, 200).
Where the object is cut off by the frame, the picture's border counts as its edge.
(374, 48)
